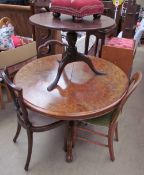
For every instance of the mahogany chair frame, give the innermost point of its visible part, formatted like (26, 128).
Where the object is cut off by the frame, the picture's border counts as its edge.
(23, 117)
(113, 125)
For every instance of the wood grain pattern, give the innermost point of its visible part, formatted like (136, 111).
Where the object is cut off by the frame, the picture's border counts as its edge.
(80, 94)
(66, 23)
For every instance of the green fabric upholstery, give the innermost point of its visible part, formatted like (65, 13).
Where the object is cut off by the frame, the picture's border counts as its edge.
(102, 120)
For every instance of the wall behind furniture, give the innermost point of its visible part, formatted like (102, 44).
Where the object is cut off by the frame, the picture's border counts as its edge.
(141, 2)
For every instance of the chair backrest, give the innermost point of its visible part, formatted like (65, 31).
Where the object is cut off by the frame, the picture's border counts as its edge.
(135, 80)
(17, 96)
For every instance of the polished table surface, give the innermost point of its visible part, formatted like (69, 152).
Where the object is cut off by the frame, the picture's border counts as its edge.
(80, 94)
(66, 23)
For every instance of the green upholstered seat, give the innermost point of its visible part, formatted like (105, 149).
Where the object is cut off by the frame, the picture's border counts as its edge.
(102, 120)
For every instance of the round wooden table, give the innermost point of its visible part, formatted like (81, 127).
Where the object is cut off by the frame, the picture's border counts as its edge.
(65, 23)
(79, 95)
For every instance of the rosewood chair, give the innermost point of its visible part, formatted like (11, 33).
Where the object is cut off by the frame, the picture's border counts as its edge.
(109, 120)
(27, 119)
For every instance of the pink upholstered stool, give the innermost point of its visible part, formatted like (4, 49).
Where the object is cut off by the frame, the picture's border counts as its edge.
(120, 51)
(77, 8)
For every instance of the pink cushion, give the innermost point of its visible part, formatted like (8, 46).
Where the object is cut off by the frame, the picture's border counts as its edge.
(77, 8)
(121, 43)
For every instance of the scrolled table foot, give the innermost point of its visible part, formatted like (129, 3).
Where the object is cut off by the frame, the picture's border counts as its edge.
(69, 158)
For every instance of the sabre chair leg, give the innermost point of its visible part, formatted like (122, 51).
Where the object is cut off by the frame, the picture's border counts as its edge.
(30, 145)
(17, 133)
(116, 133)
(110, 142)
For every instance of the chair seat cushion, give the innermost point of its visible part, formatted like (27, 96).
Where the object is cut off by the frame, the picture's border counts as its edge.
(77, 8)
(103, 120)
(39, 120)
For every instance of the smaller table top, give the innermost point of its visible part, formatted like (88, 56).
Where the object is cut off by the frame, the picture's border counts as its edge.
(66, 23)
(80, 94)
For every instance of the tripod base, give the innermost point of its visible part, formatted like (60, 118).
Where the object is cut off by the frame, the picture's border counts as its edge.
(71, 55)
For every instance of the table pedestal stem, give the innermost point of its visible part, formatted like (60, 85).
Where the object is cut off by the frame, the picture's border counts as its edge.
(71, 55)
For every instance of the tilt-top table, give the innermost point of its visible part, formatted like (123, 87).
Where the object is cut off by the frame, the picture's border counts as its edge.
(79, 95)
(65, 23)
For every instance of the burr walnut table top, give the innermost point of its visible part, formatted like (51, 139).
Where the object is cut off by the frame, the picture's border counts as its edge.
(80, 94)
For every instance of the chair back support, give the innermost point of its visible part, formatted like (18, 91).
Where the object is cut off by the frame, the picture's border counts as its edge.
(17, 97)
(135, 80)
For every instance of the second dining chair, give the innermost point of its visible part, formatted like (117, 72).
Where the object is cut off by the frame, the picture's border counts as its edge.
(29, 120)
(110, 120)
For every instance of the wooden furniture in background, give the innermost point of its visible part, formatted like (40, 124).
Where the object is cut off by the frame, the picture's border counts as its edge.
(26, 119)
(130, 19)
(41, 34)
(125, 22)
(110, 120)
(121, 52)
(19, 16)
(79, 95)
(101, 35)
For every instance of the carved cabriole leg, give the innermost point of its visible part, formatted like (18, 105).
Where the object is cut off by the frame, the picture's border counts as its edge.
(17, 133)
(30, 145)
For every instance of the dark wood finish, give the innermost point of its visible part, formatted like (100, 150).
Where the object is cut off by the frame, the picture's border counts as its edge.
(130, 19)
(69, 56)
(34, 124)
(101, 35)
(77, 83)
(79, 95)
(113, 124)
(19, 16)
(42, 35)
(96, 49)
(65, 23)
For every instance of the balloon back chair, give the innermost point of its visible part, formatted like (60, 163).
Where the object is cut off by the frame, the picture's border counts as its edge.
(31, 123)
(109, 120)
